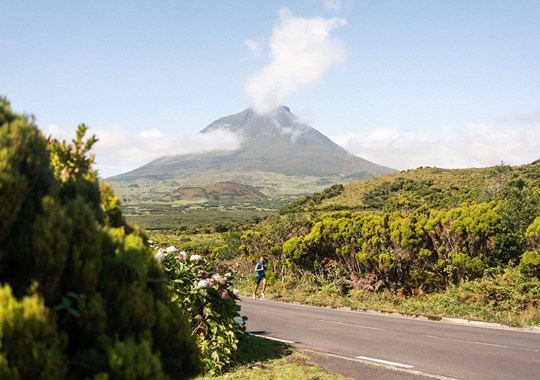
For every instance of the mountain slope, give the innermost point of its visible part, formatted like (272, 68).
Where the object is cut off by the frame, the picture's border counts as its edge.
(433, 187)
(278, 155)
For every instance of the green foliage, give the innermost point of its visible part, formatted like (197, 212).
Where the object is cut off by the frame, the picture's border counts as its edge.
(166, 216)
(519, 207)
(430, 187)
(530, 261)
(210, 305)
(30, 346)
(25, 178)
(308, 202)
(132, 360)
(268, 239)
(424, 249)
(88, 298)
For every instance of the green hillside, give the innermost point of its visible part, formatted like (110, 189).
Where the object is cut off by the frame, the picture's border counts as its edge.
(431, 187)
(462, 243)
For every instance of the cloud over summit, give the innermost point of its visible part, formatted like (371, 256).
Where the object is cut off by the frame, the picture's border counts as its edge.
(301, 52)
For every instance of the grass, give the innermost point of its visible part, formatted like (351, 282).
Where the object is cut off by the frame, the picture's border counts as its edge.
(507, 298)
(260, 358)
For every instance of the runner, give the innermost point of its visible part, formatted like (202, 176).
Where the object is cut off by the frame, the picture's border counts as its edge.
(260, 267)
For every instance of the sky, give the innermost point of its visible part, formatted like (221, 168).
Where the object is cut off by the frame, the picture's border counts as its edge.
(404, 84)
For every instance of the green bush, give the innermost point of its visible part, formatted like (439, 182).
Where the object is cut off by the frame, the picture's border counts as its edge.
(30, 346)
(88, 299)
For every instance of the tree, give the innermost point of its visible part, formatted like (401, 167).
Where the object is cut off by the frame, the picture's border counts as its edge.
(98, 302)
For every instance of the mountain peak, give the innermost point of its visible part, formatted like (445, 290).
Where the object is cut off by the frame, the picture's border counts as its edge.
(285, 108)
(280, 118)
(275, 149)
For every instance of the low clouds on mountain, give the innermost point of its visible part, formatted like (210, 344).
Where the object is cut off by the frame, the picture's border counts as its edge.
(123, 151)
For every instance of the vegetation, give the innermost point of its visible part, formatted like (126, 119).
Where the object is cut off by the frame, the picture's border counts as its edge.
(165, 217)
(460, 243)
(412, 238)
(259, 358)
(81, 295)
(307, 203)
(432, 187)
(210, 305)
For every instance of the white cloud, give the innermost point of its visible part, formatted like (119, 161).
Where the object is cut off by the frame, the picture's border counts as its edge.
(254, 46)
(478, 145)
(332, 5)
(151, 133)
(119, 150)
(301, 52)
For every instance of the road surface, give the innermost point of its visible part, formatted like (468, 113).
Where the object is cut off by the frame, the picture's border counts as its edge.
(412, 346)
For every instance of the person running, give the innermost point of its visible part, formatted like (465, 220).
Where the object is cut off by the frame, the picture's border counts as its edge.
(260, 267)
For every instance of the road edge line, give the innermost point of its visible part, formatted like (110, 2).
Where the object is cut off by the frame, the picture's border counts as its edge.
(380, 365)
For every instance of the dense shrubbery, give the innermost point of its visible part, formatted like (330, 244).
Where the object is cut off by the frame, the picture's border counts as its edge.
(423, 250)
(80, 296)
(306, 203)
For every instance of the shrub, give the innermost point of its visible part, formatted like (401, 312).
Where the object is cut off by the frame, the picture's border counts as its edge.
(98, 305)
(30, 346)
(210, 304)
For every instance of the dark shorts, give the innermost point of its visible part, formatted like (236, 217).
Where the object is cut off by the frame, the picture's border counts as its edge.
(258, 279)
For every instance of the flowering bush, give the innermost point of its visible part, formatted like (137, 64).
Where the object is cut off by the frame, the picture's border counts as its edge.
(210, 305)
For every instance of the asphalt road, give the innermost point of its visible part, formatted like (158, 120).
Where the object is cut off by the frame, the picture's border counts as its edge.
(412, 347)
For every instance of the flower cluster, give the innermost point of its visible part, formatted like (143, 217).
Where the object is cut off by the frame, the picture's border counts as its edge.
(210, 302)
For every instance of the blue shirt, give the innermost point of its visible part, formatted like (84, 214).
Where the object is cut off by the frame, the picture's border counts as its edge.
(260, 273)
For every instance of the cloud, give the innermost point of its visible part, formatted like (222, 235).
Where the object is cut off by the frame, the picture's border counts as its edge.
(477, 145)
(301, 52)
(120, 150)
(151, 133)
(332, 5)
(254, 46)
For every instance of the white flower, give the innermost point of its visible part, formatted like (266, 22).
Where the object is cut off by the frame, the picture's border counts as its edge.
(171, 249)
(228, 274)
(150, 242)
(216, 276)
(195, 258)
(203, 284)
(239, 321)
(235, 292)
(159, 256)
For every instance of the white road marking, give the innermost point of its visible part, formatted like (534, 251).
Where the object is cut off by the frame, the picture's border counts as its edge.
(351, 324)
(270, 338)
(328, 321)
(381, 361)
(482, 343)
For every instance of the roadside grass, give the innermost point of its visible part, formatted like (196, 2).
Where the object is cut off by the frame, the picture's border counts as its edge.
(259, 358)
(505, 297)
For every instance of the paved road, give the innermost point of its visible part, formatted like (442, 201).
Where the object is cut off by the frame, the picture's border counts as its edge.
(411, 345)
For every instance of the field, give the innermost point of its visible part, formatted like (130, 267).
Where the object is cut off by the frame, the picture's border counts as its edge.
(159, 216)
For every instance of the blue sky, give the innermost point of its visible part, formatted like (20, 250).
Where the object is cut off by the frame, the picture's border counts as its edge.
(401, 83)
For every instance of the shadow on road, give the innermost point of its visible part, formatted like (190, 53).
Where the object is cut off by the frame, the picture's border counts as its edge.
(255, 349)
